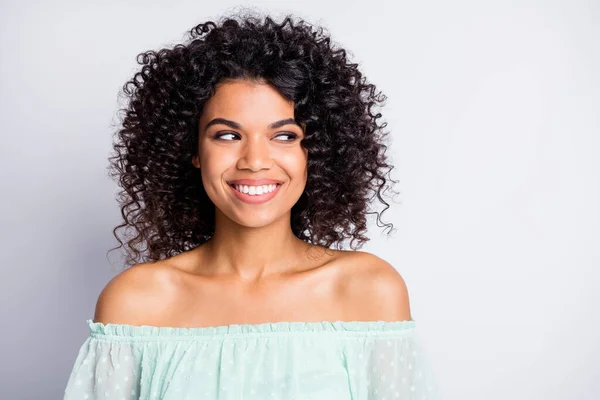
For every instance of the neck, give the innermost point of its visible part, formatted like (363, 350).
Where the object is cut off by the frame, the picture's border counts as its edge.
(253, 253)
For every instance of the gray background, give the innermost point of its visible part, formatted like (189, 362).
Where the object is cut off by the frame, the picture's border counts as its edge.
(494, 109)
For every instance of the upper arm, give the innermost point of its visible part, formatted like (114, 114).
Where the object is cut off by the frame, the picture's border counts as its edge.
(131, 297)
(390, 291)
(378, 291)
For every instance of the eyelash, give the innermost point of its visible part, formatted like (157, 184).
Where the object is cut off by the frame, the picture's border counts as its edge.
(290, 134)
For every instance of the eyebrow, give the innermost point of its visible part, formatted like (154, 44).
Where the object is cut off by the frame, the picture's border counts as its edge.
(236, 125)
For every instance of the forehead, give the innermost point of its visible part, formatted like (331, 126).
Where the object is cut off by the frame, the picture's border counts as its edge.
(247, 102)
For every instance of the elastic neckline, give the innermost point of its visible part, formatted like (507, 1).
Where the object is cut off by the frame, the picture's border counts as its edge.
(98, 329)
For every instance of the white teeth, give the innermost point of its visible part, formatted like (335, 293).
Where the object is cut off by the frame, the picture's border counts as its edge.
(255, 190)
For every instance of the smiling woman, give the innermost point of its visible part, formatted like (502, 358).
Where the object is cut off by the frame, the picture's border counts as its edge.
(244, 155)
(226, 89)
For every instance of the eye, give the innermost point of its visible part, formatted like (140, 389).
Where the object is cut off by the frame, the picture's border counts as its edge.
(220, 135)
(292, 135)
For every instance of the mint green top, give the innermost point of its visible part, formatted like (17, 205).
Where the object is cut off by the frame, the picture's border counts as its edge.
(359, 360)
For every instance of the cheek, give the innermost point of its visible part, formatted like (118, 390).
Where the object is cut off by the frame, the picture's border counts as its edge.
(215, 161)
(213, 167)
(295, 163)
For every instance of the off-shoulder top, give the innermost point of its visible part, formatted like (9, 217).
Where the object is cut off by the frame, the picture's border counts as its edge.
(359, 360)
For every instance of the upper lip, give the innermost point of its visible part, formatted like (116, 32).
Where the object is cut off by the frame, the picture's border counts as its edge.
(254, 182)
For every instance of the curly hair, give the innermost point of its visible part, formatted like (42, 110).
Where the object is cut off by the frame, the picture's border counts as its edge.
(162, 197)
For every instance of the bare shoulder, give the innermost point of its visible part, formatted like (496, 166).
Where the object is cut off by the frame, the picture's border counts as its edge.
(137, 295)
(374, 288)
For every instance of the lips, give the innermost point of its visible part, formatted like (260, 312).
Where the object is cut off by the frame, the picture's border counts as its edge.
(255, 199)
(255, 182)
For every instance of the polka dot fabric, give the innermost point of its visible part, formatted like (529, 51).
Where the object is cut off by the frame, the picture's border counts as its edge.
(358, 360)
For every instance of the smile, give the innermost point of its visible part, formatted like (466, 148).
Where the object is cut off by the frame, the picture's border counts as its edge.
(255, 194)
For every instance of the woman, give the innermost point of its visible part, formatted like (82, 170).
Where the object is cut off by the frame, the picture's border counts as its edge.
(244, 154)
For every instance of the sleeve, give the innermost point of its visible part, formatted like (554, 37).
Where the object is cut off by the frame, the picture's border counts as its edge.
(398, 368)
(103, 370)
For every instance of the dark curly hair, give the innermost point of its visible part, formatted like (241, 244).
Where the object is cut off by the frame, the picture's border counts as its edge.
(162, 196)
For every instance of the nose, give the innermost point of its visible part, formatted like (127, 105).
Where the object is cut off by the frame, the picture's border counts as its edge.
(256, 154)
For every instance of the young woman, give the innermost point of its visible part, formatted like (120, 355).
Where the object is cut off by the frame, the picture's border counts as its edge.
(244, 155)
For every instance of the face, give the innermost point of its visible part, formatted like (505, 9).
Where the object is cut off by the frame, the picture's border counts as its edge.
(247, 131)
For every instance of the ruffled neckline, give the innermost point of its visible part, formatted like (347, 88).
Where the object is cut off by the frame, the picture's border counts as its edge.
(376, 328)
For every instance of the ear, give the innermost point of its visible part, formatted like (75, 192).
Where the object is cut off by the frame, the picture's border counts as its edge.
(196, 162)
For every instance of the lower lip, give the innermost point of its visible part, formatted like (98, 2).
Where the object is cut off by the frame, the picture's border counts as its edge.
(257, 198)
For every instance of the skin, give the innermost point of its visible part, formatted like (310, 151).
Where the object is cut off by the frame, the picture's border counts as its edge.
(253, 270)
(252, 242)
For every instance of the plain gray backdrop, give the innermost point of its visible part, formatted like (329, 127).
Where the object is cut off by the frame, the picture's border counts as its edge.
(494, 112)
